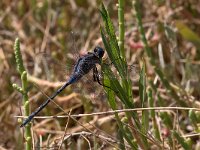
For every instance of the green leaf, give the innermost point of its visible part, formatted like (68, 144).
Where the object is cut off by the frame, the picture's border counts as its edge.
(142, 93)
(142, 86)
(113, 48)
(181, 141)
(188, 34)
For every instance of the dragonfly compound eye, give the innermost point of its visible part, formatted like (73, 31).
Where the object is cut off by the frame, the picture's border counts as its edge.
(99, 51)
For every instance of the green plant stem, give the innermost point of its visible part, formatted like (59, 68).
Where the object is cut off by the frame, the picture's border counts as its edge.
(181, 141)
(121, 26)
(153, 115)
(26, 108)
(148, 50)
(23, 90)
(124, 86)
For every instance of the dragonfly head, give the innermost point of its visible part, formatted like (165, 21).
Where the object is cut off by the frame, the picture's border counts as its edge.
(99, 52)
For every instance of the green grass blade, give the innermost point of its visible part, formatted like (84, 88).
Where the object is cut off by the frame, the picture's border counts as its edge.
(153, 115)
(181, 141)
(113, 51)
(142, 93)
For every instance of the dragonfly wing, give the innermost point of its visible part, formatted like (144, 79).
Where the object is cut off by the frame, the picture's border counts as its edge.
(52, 67)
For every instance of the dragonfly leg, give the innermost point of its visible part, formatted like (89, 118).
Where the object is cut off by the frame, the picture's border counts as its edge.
(94, 74)
(96, 79)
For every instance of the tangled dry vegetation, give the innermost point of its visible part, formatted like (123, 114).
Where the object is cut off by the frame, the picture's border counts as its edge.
(52, 32)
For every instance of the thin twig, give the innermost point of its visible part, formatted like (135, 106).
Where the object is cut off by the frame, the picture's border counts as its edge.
(65, 130)
(117, 111)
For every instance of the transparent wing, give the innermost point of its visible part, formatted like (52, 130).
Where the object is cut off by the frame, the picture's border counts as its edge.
(56, 68)
(52, 68)
(132, 69)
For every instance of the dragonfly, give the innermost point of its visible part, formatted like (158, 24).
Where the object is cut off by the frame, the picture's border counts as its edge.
(82, 67)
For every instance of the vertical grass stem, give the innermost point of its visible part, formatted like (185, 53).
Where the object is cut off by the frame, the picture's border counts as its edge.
(23, 74)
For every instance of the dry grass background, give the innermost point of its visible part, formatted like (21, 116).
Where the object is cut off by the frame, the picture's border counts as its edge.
(45, 27)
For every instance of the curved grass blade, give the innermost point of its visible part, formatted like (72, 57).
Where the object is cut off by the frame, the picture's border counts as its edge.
(143, 99)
